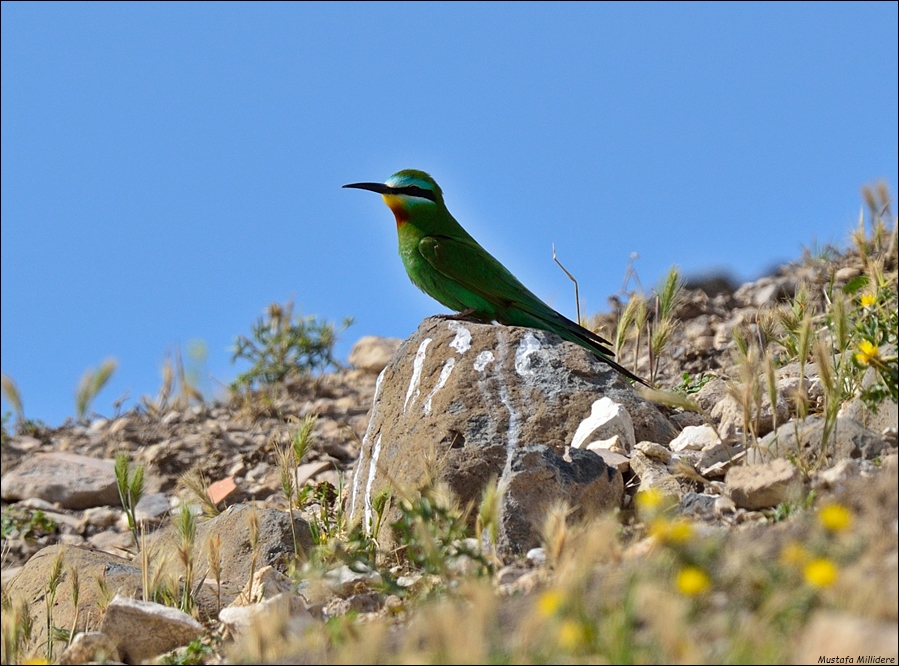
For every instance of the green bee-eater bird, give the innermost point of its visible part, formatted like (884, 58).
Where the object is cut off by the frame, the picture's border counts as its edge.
(446, 263)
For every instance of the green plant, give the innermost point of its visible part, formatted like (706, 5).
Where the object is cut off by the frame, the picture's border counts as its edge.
(22, 523)
(17, 625)
(92, 382)
(195, 652)
(14, 396)
(131, 489)
(196, 484)
(56, 574)
(637, 322)
(433, 534)
(186, 527)
(689, 384)
(282, 346)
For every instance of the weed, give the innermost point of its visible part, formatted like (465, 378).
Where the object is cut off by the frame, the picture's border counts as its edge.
(22, 523)
(131, 489)
(282, 346)
(92, 382)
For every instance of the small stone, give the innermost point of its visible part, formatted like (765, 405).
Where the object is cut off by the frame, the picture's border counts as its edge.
(607, 419)
(653, 450)
(611, 458)
(144, 629)
(308, 471)
(238, 619)
(695, 438)
(844, 470)
(151, 506)
(831, 632)
(90, 647)
(654, 475)
(764, 486)
(100, 516)
(221, 489)
(846, 273)
(536, 556)
(724, 505)
(373, 353)
(72, 481)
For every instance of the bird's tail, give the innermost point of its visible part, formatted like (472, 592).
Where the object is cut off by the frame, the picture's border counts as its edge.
(573, 332)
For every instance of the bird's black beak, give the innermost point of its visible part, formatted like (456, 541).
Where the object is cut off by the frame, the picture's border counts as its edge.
(380, 188)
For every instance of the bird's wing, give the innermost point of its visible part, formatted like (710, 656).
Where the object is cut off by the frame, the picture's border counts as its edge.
(475, 269)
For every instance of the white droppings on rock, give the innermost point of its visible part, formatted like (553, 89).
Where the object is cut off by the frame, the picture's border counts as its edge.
(483, 359)
(514, 430)
(462, 342)
(441, 381)
(526, 347)
(413, 390)
(369, 433)
(372, 469)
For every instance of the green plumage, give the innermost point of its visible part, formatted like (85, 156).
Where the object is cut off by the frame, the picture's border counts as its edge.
(445, 262)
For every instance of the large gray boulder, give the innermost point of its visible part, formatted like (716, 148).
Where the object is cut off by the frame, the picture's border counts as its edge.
(494, 402)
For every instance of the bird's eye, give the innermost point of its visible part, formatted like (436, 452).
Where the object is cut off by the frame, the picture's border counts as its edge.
(416, 191)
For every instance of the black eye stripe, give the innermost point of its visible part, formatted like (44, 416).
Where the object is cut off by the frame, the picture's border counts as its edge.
(415, 191)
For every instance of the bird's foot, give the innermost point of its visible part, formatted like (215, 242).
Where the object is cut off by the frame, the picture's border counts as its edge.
(465, 315)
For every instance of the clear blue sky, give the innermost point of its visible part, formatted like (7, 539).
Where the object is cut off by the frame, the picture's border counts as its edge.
(168, 170)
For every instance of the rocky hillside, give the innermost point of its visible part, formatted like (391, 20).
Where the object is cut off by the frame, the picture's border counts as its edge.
(513, 492)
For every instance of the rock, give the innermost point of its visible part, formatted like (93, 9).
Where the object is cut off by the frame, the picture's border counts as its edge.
(653, 450)
(144, 629)
(846, 273)
(847, 439)
(151, 506)
(654, 474)
(471, 395)
(117, 574)
(697, 505)
(93, 646)
(729, 415)
(275, 540)
(695, 438)
(539, 478)
(844, 470)
(835, 633)
(714, 461)
(308, 471)
(764, 486)
(279, 608)
(887, 413)
(373, 353)
(607, 419)
(221, 489)
(266, 583)
(711, 394)
(612, 459)
(72, 481)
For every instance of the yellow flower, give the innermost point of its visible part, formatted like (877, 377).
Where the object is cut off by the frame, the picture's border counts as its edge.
(649, 500)
(835, 518)
(794, 553)
(820, 572)
(671, 531)
(868, 299)
(692, 581)
(549, 603)
(571, 634)
(867, 352)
